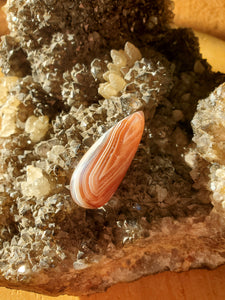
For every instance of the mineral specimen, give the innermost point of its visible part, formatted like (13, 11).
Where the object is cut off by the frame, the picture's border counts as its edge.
(209, 126)
(57, 57)
(209, 132)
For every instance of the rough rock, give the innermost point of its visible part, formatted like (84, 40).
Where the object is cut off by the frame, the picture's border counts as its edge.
(161, 216)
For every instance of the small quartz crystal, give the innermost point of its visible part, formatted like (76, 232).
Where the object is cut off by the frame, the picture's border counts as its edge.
(37, 127)
(8, 114)
(36, 185)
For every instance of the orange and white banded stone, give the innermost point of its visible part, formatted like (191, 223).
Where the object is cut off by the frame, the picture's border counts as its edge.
(101, 170)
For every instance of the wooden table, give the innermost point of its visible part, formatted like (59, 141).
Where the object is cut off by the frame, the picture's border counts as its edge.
(191, 285)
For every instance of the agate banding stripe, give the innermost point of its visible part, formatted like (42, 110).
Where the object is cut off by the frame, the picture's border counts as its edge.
(101, 170)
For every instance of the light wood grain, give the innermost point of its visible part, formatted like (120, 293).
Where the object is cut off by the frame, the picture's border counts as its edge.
(7, 294)
(192, 285)
(212, 49)
(207, 16)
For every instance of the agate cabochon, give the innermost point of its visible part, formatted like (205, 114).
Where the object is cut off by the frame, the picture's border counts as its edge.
(103, 167)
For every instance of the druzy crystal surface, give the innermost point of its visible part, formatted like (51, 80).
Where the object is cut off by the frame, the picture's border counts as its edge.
(73, 69)
(209, 128)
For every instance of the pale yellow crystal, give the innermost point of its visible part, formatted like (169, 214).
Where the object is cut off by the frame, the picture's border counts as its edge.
(106, 90)
(37, 184)
(8, 114)
(6, 83)
(122, 61)
(37, 127)
(106, 74)
(133, 53)
(113, 68)
(116, 81)
(119, 58)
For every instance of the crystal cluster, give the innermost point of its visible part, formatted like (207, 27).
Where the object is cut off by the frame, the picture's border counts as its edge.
(63, 92)
(209, 135)
(46, 139)
(50, 37)
(129, 77)
(123, 60)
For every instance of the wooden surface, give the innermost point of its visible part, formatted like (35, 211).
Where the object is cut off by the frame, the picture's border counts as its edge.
(209, 17)
(191, 285)
(212, 49)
